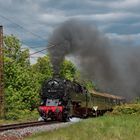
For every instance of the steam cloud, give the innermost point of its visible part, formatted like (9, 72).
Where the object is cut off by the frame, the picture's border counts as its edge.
(115, 69)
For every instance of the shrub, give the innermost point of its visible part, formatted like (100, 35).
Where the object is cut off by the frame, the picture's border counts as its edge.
(136, 100)
(12, 115)
(127, 109)
(22, 115)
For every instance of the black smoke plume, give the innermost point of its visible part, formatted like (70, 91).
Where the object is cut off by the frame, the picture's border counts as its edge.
(115, 69)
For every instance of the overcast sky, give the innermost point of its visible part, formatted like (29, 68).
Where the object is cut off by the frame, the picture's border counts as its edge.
(118, 19)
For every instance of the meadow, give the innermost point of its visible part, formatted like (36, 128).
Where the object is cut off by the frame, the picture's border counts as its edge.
(108, 127)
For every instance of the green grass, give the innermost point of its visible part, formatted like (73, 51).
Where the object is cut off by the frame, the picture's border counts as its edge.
(22, 116)
(125, 127)
(6, 121)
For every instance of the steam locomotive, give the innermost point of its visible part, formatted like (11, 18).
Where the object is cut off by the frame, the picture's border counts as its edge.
(62, 99)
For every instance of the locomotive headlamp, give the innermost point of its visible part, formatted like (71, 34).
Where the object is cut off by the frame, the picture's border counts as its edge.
(59, 103)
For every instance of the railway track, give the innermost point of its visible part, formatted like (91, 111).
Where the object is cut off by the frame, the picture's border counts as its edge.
(24, 125)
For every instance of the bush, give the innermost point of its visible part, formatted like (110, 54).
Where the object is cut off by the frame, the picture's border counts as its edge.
(136, 100)
(127, 109)
(22, 115)
(12, 115)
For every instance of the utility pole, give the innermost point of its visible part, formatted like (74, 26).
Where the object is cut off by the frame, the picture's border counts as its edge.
(1, 74)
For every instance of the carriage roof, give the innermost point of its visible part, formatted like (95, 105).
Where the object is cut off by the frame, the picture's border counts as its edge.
(106, 95)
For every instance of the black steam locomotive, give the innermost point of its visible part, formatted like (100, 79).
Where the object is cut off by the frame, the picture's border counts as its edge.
(62, 99)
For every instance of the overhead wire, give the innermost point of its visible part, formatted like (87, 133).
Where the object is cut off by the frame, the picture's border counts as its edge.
(27, 45)
(37, 52)
(42, 50)
(34, 34)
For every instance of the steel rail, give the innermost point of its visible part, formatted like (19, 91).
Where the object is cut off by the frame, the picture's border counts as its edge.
(24, 125)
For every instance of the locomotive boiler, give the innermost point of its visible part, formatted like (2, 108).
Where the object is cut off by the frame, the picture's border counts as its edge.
(62, 99)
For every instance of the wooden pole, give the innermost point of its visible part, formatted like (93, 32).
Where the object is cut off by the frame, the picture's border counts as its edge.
(1, 74)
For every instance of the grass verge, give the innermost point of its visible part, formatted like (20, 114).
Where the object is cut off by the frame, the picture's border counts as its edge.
(21, 116)
(124, 127)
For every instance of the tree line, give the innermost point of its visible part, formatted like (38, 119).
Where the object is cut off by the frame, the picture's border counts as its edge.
(23, 80)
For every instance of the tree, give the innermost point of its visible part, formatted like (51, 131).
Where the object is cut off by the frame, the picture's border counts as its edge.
(21, 86)
(43, 69)
(68, 70)
(23, 80)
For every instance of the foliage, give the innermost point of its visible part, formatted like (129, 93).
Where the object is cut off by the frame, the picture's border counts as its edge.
(136, 100)
(13, 53)
(127, 109)
(68, 70)
(22, 115)
(20, 82)
(23, 80)
(88, 84)
(42, 68)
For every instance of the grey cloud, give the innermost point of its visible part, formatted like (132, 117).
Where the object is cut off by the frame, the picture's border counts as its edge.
(124, 40)
(123, 28)
(41, 17)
